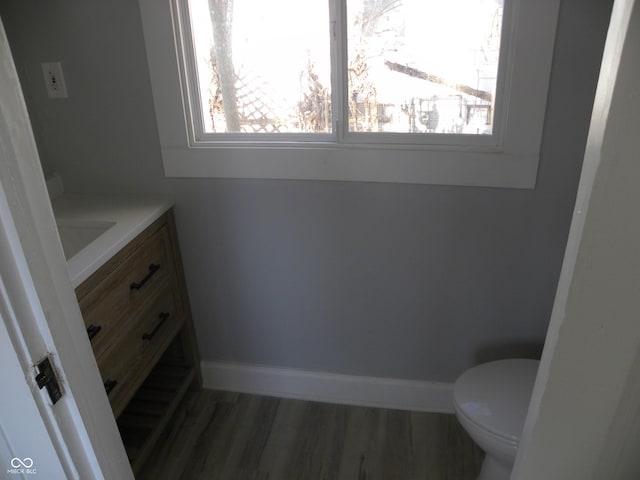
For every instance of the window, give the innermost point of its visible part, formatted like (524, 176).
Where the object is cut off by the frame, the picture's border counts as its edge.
(413, 66)
(262, 67)
(420, 91)
(422, 66)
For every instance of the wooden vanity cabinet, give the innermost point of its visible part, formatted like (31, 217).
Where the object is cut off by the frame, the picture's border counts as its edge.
(137, 314)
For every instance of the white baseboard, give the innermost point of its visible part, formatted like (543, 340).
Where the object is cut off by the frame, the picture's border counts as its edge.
(329, 387)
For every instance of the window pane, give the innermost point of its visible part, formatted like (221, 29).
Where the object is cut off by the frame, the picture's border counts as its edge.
(423, 66)
(263, 66)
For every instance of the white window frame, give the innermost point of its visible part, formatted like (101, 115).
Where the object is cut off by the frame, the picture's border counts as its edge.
(508, 158)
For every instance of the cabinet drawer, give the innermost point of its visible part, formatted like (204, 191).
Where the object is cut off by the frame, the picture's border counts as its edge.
(128, 361)
(127, 291)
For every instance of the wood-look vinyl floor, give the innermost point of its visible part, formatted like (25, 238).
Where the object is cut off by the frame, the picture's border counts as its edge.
(228, 436)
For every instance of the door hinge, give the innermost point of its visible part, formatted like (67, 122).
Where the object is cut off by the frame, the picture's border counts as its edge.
(46, 377)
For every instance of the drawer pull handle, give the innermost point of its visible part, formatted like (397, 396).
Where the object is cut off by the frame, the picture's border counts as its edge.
(153, 268)
(163, 317)
(93, 330)
(110, 385)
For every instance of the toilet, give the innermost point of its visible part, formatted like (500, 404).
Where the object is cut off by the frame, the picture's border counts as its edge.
(491, 402)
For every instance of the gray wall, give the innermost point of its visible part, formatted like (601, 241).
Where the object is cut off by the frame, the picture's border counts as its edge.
(405, 281)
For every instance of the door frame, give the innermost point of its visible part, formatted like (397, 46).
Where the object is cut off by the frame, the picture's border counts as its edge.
(82, 422)
(584, 416)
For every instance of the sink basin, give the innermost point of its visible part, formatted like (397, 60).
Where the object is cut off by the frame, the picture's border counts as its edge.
(75, 235)
(93, 228)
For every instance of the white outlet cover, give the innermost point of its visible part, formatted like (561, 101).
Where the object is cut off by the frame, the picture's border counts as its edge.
(54, 80)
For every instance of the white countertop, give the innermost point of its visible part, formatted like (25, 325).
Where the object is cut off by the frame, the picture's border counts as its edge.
(128, 215)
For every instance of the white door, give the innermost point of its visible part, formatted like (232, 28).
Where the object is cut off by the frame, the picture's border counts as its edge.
(77, 437)
(26, 448)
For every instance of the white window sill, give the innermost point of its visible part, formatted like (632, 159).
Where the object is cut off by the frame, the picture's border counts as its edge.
(488, 169)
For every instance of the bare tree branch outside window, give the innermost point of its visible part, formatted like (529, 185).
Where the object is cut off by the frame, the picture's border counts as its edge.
(222, 59)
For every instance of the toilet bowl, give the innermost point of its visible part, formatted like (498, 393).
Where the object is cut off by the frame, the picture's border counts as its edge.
(491, 402)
